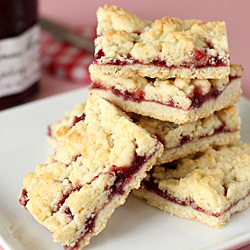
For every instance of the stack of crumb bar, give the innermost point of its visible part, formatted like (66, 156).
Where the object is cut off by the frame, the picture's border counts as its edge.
(176, 79)
(160, 120)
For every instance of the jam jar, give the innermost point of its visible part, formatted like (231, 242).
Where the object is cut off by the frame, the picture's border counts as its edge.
(19, 51)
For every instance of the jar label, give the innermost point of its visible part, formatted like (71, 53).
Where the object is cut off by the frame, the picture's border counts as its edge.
(19, 62)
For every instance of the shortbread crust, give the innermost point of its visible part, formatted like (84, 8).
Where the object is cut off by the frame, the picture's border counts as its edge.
(99, 158)
(210, 187)
(175, 100)
(166, 48)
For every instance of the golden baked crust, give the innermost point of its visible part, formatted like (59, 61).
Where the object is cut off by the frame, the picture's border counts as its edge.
(98, 160)
(124, 39)
(220, 128)
(164, 98)
(212, 185)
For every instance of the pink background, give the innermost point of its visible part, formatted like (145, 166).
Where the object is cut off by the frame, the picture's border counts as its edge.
(235, 13)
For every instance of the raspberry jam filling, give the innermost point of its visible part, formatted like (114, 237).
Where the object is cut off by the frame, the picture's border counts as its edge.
(186, 139)
(199, 60)
(152, 186)
(123, 177)
(69, 213)
(197, 100)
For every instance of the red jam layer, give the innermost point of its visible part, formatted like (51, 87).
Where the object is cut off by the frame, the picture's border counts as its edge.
(78, 119)
(199, 60)
(64, 198)
(153, 187)
(23, 199)
(219, 130)
(88, 227)
(139, 96)
(123, 177)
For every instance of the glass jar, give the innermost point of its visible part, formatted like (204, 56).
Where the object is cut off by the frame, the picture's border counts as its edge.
(19, 51)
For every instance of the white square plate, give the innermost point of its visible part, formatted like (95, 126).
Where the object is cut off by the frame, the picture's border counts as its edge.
(133, 226)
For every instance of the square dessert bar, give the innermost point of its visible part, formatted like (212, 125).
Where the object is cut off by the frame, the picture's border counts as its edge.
(209, 187)
(99, 158)
(176, 100)
(220, 128)
(166, 48)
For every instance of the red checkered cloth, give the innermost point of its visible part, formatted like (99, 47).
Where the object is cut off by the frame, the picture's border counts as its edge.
(65, 61)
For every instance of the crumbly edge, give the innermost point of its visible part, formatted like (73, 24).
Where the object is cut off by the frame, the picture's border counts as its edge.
(174, 41)
(166, 113)
(198, 145)
(153, 71)
(188, 212)
(176, 90)
(113, 17)
(68, 115)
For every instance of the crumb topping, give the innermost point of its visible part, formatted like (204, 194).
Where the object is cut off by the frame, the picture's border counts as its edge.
(125, 37)
(214, 180)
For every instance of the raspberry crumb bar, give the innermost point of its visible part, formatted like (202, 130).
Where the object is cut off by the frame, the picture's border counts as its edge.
(220, 128)
(210, 187)
(166, 48)
(175, 100)
(99, 158)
